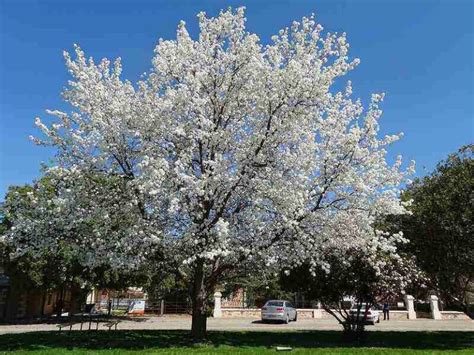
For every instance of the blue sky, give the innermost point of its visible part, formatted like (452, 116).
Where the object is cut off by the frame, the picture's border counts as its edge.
(420, 53)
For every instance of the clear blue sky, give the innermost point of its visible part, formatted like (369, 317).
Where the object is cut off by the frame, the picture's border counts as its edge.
(419, 52)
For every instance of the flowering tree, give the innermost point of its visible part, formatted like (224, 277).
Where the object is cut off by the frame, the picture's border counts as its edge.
(67, 231)
(233, 150)
(89, 217)
(361, 277)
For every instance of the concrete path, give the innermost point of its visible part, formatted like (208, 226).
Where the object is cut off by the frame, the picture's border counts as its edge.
(169, 322)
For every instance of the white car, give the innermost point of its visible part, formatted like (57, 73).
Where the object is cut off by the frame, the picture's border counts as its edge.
(372, 317)
(279, 310)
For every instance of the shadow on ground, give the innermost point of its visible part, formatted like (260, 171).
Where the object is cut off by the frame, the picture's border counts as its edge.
(75, 318)
(274, 322)
(162, 339)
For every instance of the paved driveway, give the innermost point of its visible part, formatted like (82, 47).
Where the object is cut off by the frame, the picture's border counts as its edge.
(251, 324)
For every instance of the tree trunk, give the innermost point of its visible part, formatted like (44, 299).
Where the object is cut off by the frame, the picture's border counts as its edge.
(199, 303)
(60, 303)
(76, 299)
(199, 324)
(12, 301)
(43, 303)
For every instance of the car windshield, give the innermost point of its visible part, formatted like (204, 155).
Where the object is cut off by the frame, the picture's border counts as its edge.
(275, 304)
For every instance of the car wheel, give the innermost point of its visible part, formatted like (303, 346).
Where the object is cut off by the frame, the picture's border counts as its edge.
(296, 317)
(378, 320)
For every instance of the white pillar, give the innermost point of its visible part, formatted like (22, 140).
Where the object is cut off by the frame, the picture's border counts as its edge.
(162, 307)
(435, 313)
(317, 314)
(217, 305)
(410, 306)
(92, 296)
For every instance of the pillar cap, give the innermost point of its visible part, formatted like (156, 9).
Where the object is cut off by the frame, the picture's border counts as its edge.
(434, 297)
(217, 294)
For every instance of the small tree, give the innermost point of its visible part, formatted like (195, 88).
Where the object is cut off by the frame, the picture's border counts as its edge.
(353, 279)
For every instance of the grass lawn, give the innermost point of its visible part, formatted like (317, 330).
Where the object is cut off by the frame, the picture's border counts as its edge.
(179, 342)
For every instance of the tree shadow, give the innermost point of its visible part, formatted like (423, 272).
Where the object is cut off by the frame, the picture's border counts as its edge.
(75, 318)
(156, 339)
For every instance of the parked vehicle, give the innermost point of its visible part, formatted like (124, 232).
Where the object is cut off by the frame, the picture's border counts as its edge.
(279, 310)
(373, 314)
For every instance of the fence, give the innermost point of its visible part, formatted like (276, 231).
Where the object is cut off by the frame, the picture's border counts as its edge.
(173, 306)
(247, 299)
(116, 303)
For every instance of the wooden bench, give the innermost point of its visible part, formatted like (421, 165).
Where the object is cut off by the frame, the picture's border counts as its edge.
(112, 324)
(91, 319)
(69, 324)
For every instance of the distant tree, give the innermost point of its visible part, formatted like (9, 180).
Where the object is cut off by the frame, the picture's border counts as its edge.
(259, 285)
(441, 226)
(54, 270)
(26, 271)
(50, 245)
